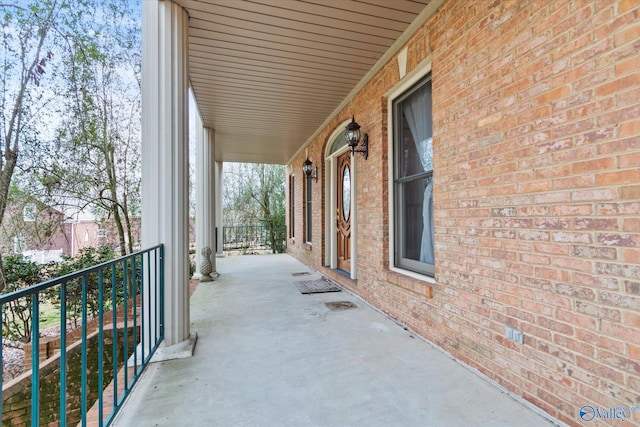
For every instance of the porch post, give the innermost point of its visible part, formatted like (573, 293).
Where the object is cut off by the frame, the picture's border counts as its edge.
(199, 202)
(219, 211)
(205, 202)
(165, 160)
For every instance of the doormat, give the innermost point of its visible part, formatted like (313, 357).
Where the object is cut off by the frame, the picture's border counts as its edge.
(316, 286)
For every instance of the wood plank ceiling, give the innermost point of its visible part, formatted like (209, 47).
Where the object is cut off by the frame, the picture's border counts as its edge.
(266, 74)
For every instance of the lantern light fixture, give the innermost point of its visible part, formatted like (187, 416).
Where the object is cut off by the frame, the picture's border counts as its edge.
(353, 138)
(309, 171)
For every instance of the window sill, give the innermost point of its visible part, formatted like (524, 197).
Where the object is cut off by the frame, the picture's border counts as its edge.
(308, 246)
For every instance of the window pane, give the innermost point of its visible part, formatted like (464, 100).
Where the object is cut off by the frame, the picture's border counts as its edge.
(292, 207)
(414, 133)
(417, 220)
(339, 142)
(346, 194)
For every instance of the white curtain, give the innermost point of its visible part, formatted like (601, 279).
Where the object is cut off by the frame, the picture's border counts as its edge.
(417, 110)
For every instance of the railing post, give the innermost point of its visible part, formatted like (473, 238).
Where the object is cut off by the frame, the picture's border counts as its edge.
(100, 344)
(114, 318)
(1, 361)
(125, 311)
(83, 372)
(35, 360)
(63, 353)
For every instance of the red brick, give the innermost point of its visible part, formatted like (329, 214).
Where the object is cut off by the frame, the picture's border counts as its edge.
(595, 194)
(630, 192)
(575, 291)
(628, 176)
(631, 319)
(630, 128)
(628, 98)
(596, 224)
(599, 369)
(600, 341)
(622, 270)
(622, 301)
(627, 35)
(595, 252)
(631, 256)
(580, 181)
(593, 165)
(574, 345)
(619, 145)
(631, 160)
(552, 248)
(535, 259)
(551, 274)
(618, 116)
(626, 208)
(630, 65)
(611, 239)
(632, 366)
(570, 237)
(625, 5)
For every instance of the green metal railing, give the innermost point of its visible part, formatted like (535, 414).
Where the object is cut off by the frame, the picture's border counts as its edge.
(124, 295)
(254, 237)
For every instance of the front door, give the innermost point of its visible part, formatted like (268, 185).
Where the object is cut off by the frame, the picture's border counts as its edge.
(343, 218)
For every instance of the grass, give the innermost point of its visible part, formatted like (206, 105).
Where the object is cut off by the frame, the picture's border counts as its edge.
(49, 315)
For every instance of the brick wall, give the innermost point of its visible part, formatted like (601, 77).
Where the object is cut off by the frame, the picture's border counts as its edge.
(16, 408)
(49, 346)
(537, 199)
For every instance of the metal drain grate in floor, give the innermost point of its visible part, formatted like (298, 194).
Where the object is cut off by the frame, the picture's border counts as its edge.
(316, 286)
(340, 305)
(301, 273)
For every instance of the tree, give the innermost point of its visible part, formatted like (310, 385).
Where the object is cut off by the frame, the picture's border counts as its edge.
(88, 257)
(254, 193)
(97, 146)
(16, 315)
(25, 57)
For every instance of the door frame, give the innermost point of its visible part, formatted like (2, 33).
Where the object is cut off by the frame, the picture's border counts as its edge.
(331, 205)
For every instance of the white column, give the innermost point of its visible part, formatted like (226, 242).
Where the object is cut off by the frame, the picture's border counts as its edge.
(165, 160)
(205, 200)
(219, 211)
(199, 178)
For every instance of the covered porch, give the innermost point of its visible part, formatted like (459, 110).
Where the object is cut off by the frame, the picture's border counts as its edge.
(266, 77)
(502, 226)
(269, 355)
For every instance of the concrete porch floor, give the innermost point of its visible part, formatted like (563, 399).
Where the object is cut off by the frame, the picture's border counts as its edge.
(269, 356)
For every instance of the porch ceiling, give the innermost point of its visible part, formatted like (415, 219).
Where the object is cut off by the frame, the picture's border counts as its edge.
(267, 74)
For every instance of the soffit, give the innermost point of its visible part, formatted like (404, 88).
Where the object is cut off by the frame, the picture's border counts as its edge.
(266, 74)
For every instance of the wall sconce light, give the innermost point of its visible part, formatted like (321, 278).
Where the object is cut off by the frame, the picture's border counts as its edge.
(307, 169)
(353, 138)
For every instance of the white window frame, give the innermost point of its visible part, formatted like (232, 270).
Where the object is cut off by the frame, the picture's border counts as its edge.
(292, 206)
(399, 89)
(308, 204)
(29, 212)
(19, 243)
